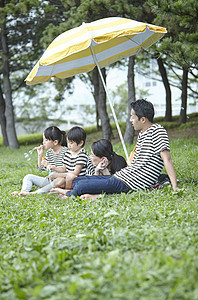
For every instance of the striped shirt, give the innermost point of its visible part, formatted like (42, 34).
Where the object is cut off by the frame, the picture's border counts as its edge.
(90, 170)
(147, 163)
(72, 161)
(54, 159)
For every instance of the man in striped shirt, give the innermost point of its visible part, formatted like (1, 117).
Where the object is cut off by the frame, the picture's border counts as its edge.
(152, 153)
(152, 150)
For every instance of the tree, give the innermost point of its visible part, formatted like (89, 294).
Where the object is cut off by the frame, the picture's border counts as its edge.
(181, 41)
(129, 132)
(100, 99)
(10, 50)
(9, 114)
(162, 70)
(3, 119)
(22, 25)
(132, 9)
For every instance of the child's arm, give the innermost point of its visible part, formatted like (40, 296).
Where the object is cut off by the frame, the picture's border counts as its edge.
(61, 169)
(165, 155)
(40, 151)
(57, 172)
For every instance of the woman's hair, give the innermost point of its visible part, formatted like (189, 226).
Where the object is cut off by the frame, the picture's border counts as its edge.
(104, 148)
(77, 134)
(54, 133)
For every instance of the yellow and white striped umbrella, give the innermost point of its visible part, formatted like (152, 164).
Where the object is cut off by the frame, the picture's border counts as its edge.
(104, 41)
(98, 43)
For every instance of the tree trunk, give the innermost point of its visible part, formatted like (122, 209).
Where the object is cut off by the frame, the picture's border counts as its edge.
(129, 132)
(95, 83)
(9, 113)
(100, 99)
(184, 96)
(168, 114)
(3, 119)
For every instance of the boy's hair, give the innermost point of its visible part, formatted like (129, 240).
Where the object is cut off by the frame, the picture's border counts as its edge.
(53, 133)
(143, 108)
(104, 148)
(77, 134)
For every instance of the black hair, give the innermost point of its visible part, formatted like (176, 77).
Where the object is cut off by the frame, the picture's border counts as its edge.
(53, 133)
(104, 148)
(143, 108)
(77, 134)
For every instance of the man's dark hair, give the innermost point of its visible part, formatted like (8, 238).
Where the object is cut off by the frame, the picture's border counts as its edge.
(77, 134)
(143, 108)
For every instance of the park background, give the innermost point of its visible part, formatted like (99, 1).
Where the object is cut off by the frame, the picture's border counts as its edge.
(165, 74)
(142, 245)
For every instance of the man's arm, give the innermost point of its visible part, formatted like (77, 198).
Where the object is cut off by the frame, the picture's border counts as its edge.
(166, 157)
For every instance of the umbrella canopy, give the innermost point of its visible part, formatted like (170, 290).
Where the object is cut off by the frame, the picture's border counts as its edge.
(98, 43)
(111, 39)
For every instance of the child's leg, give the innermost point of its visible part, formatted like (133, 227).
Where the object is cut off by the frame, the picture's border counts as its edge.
(30, 180)
(45, 189)
(59, 182)
(69, 180)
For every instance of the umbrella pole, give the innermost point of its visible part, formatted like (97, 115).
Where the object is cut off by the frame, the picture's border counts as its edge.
(111, 105)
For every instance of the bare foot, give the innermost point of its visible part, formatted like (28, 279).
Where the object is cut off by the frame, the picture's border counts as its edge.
(58, 191)
(24, 193)
(15, 193)
(89, 196)
(63, 196)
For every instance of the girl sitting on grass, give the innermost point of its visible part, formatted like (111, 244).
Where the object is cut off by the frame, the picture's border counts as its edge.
(54, 141)
(105, 161)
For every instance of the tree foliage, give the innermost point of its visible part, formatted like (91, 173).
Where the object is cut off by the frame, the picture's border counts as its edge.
(181, 42)
(28, 26)
(17, 33)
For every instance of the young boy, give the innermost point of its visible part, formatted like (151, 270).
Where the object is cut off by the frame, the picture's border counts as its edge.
(74, 161)
(152, 152)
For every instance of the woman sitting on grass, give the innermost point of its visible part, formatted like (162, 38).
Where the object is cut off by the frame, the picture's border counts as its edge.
(105, 161)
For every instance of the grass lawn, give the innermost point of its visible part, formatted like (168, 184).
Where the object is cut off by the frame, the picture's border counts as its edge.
(142, 245)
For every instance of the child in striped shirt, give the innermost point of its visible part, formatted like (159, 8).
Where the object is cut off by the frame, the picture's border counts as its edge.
(74, 162)
(54, 141)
